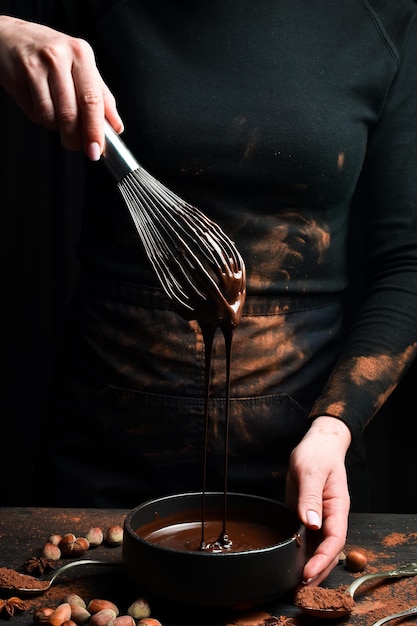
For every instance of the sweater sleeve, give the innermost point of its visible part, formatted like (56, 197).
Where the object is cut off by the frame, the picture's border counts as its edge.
(381, 342)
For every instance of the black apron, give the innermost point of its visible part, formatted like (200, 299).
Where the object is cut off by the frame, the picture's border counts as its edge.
(127, 418)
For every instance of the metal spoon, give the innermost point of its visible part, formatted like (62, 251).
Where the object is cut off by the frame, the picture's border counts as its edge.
(331, 613)
(388, 618)
(46, 581)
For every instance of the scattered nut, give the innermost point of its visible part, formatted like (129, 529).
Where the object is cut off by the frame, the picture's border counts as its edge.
(69, 622)
(74, 599)
(149, 621)
(41, 615)
(60, 615)
(122, 620)
(79, 614)
(55, 539)
(80, 546)
(102, 618)
(97, 604)
(51, 551)
(355, 561)
(66, 544)
(139, 609)
(114, 535)
(95, 536)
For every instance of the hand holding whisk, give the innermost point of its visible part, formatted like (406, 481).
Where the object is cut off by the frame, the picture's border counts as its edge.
(198, 266)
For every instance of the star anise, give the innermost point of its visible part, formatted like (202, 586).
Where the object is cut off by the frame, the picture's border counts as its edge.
(38, 565)
(12, 605)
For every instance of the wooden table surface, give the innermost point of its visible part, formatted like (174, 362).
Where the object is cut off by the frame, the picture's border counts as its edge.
(387, 541)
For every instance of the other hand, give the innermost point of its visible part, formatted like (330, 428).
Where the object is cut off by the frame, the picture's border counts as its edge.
(317, 489)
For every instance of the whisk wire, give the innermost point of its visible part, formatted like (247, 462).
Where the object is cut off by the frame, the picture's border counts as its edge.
(198, 266)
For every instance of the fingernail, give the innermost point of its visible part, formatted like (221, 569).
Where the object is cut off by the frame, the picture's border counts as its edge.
(313, 520)
(93, 151)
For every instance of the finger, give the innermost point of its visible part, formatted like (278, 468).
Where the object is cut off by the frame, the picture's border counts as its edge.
(310, 499)
(77, 94)
(110, 109)
(317, 569)
(90, 99)
(94, 142)
(326, 554)
(66, 110)
(34, 95)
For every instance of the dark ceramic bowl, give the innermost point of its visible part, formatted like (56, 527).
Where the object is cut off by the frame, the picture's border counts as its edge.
(240, 579)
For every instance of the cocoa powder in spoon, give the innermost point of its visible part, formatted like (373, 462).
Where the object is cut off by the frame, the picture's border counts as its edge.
(11, 579)
(323, 598)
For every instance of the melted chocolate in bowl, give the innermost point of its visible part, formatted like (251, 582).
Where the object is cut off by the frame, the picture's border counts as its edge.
(163, 555)
(182, 531)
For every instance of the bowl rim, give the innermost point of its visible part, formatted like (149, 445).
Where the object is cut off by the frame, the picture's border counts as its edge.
(295, 537)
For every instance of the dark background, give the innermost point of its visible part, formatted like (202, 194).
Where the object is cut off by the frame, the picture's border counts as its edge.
(40, 227)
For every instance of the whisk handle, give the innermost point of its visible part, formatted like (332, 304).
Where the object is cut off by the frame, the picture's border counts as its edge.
(117, 155)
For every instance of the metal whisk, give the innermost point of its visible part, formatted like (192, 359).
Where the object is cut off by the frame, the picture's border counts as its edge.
(199, 268)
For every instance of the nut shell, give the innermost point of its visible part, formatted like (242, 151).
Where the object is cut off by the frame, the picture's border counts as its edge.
(355, 561)
(139, 609)
(79, 614)
(51, 551)
(66, 544)
(42, 615)
(97, 604)
(80, 546)
(74, 599)
(122, 620)
(95, 536)
(114, 535)
(61, 614)
(55, 539)
(102, 618)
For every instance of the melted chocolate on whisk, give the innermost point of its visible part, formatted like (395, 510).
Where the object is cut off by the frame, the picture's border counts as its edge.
(227, 325)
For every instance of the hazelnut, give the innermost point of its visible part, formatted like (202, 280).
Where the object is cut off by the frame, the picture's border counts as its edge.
(80, 546)
(55, 539)
(149, 621)
(355, 561)
(67, 543)
(114, 535)
(61, 614)
(51, 551)
(122, 620)
(102, 618)
(139, 609)
(95, 536)
(41, 615)
(74, 599)
(96, 605)
(69, 622)
(79, 614)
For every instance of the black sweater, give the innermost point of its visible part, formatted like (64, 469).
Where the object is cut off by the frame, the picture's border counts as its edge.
(294, 125)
